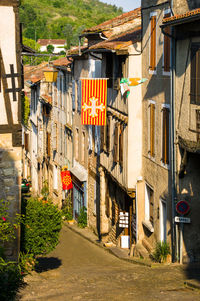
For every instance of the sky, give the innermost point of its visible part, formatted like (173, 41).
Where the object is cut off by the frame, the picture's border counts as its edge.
(127, 5)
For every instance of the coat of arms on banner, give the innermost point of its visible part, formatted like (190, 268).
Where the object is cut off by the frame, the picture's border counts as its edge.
(94, 101)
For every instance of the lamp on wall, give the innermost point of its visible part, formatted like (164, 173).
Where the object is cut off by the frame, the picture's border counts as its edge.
(50, 75)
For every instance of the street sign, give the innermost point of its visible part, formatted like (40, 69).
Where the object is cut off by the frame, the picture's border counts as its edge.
(182, 207)
(181, 219)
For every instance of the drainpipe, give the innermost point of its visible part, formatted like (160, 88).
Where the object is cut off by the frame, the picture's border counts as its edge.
(173, 142)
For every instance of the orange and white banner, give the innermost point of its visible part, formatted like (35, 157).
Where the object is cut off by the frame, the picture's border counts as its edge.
(94, 101)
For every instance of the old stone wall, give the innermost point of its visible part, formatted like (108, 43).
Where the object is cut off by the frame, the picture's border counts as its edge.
(10, 183)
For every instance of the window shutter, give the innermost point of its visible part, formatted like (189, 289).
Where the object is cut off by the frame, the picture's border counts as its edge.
(116, 143)
(108, 134)
(102, 137)
(152, 129)
(54, 136)
(121, 145)
(198, 76)
(79, 95)
(198, 124)
(167, 51)
(73, 96)
(48, 144)
(151, 206)
(165, 136)
(107, 200)
(153, 44)
(26, 141)
(90, 137)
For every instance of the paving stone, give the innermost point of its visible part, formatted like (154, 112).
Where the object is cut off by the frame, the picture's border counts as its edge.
(82, 270)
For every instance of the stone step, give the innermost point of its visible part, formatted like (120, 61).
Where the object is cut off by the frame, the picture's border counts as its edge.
(140, 251)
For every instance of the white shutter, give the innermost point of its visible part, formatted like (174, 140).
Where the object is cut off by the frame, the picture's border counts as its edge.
(54, 136)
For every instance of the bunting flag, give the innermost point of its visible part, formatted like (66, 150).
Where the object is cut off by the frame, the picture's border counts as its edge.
(66, 180)
(125, 83)
(136, 81)
(94, 101)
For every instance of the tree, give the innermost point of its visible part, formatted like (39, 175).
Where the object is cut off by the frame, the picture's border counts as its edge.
(50, 48)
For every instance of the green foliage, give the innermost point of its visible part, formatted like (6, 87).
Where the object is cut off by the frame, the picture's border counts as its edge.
(26, 262)
(10, 273)
(82, 218)
(7, 224)
(42, 224)
(67, 208)
(50, 48)
(52, 18)
(161, 251)
(45, 190)
(10, 279)
(25, 108)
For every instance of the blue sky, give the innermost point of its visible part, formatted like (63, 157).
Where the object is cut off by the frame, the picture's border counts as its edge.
(127, 5)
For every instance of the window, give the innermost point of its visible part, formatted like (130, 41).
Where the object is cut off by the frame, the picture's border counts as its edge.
(195, 74)
(105, 136)
(55, 177)
(48, 146)
(26, 142)
(54, 137)
(198, 124)
(149, 205)
(83, 148)
(163, 220)
(76, 143)
(152, 129)
(165, 135)
(109, 69)
(118, 143)
(121, 149)
(166, 47)
(152, 66)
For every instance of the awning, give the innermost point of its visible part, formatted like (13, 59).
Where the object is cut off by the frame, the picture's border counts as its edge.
(79, 172)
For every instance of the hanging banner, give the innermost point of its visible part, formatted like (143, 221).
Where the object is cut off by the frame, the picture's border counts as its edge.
(94, 101)
(66, 180)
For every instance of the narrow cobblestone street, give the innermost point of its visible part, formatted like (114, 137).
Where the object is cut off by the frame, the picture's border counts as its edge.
(80, 270)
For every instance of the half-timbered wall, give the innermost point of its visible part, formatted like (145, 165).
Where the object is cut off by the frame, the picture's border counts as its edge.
(10, 121)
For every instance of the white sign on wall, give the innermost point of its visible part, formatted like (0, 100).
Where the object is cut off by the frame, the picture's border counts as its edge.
(123, 219)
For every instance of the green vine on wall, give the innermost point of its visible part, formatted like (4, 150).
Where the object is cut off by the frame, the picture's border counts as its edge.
(25, 108)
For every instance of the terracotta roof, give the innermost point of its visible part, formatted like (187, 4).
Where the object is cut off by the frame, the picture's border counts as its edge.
(121, 41)
(45, 42)
(34, 73)
(75, 50)
(61, 62)
(186, 15)
(124, 18)
(47, 98)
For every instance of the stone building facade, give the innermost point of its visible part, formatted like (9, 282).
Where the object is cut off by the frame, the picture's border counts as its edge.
(156, 221)
(185, 25)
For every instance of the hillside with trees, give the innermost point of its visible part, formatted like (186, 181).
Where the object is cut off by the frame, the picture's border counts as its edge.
(64, 19)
